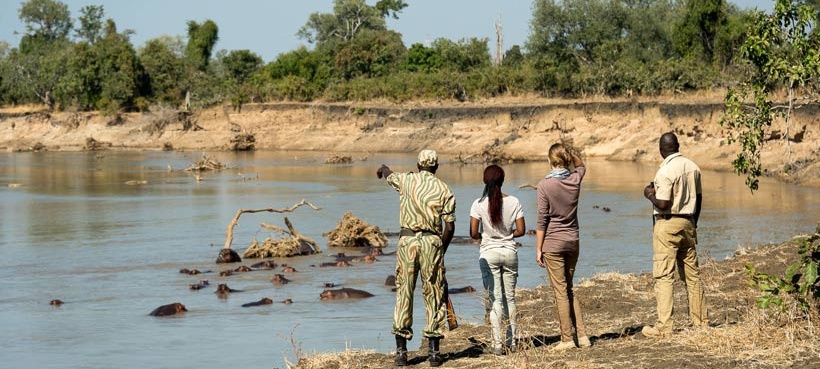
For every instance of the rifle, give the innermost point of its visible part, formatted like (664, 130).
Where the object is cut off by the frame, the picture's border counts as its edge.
(452, 323)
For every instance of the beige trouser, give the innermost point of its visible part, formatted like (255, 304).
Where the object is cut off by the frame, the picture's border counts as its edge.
(673, 243)
(560, 269)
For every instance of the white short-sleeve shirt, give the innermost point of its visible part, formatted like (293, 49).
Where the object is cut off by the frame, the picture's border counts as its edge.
(501, 236)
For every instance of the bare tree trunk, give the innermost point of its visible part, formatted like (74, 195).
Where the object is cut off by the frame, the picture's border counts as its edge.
(788, 124)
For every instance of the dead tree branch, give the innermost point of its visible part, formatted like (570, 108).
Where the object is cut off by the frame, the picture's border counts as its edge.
(235, 220)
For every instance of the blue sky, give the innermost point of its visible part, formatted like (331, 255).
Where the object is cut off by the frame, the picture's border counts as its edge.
(269, 28)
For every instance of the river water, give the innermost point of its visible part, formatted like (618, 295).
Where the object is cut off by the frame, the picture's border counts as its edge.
(71, 228)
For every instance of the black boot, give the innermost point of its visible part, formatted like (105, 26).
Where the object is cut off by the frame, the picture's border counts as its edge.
(435, 357)
(401, 351)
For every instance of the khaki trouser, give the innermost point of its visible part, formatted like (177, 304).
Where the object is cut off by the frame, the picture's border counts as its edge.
(419, 254)
(673, 243)
(560, 269)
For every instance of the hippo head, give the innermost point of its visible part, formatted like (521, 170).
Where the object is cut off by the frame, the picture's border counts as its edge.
(228, 256)
(179, 307)
(369, 259)
(326, 295)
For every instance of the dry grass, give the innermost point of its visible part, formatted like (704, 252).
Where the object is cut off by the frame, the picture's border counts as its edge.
(616, 306)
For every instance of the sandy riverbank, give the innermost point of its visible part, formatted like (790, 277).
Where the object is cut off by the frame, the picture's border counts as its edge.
(510, 128)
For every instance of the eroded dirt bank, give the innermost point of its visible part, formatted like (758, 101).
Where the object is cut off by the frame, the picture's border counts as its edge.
(510, 129)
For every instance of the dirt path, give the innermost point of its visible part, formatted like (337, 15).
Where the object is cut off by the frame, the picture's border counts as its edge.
(516, 129)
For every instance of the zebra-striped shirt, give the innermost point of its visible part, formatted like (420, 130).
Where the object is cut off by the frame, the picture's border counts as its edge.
(425, 201)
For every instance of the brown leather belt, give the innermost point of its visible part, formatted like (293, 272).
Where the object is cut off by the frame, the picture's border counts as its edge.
(670, 216)
(410, 232)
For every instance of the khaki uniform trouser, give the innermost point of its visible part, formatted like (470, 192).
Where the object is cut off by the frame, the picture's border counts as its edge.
(673, 244)
(560, 270)
(419, 254)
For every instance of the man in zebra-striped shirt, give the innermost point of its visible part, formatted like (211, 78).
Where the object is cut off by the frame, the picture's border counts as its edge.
(427, 219)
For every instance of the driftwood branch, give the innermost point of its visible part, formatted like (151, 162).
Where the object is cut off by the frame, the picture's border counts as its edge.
(284, 247)
(235, 220)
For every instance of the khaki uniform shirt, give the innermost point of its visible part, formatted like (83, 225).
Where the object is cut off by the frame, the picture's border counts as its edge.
(425, 201)
(678, 180)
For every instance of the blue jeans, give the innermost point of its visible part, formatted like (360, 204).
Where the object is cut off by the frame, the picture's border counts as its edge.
(499, 273)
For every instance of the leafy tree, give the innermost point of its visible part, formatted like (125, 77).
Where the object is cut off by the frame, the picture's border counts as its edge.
(162, 60)
(783, 53)
(120, 72)
(464, 55)
(303, 63)
(390, 7)
(240, 64)
(91, 23)
(731, 36)
(420, 58)
(370, 54)
(698, 28)
(201, 41)
(37, 70)
(513, 57)
(5, 68)
(348, 18)
(48, 20)
(80, 85)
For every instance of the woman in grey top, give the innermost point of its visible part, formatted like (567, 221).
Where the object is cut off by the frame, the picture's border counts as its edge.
(557, 241)
(496, 219)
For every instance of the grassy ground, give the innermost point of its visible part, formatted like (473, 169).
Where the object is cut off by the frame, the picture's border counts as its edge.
(616, 307)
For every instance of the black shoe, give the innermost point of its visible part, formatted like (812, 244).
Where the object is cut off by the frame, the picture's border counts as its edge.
(401, 351)
(435, 358)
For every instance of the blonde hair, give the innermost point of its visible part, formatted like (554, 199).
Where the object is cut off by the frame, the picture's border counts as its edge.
(559, 156)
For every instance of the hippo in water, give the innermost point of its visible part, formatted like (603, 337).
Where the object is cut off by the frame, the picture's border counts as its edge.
(344, 293)
(228, 256)
(55, 302)
(199, 285)
(191, 271)
(263, 301)
(366, 259)
(287, 301)
(243, 269)
(170, 309)
(279, 279)
(340, 263)
(288, 269)
(267, 264)
(226, 273)
(373, 251)
(223, 289)
(461, 290)
(390, 281)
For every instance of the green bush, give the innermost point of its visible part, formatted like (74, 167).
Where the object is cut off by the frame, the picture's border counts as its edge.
(800, 280)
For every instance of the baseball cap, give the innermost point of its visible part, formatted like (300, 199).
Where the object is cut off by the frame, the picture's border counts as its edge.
(428, 158)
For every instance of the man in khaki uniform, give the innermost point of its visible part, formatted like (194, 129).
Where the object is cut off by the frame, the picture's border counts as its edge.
(676, 196)
(427, 219)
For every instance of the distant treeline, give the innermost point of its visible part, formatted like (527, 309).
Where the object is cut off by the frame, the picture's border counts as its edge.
(575, 48)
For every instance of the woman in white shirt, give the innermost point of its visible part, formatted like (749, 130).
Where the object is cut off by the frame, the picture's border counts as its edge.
(496, 219)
